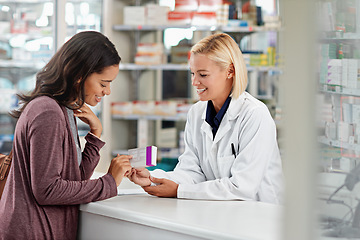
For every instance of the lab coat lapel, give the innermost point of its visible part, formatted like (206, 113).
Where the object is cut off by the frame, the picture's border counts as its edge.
(223, 129)
(231, 114)
(211, 155)
(205, 127)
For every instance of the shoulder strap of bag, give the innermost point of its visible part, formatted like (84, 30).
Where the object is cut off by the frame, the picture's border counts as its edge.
(5, 165)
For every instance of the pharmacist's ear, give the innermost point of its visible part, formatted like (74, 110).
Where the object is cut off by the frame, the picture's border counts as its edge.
(230, 71)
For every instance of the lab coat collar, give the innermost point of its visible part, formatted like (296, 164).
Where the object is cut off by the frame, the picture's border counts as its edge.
(232, 113)
(234, 108)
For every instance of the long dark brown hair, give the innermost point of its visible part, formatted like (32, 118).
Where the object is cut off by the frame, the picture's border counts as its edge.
(64, 75)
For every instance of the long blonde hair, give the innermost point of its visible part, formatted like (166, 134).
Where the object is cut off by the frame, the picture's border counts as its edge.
(223, 50)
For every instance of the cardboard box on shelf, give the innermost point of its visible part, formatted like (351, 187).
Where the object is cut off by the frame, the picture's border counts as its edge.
(165, 108)
(179, 18)
(150, 53)
(186, 5)
(156, 15)
(209, 5)
(204, 19)
(134, 15)
(180, 53)
(143, 107)
(121, 108)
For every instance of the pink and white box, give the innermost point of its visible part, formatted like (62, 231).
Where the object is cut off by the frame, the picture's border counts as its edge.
(143, 157)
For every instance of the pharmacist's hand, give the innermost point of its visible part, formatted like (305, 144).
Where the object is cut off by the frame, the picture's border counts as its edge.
(140, 176)
(120, 167)
(87, 116)
(164, 188)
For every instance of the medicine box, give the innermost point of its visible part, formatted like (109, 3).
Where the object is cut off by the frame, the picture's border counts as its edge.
(180, 18)
(143, 157)
(121, 108)
(186, 5)
(156, 15)
(143, 107)
(134, 15)
(165, 108)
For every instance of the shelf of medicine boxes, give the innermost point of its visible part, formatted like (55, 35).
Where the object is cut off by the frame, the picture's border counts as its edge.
(149, 117)
(334, 89)
(339, 144)
(249, 29)
(185, 67)
(169, 66)
(8, 64)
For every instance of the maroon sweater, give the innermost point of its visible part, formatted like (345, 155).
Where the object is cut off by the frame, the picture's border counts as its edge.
(46, 184)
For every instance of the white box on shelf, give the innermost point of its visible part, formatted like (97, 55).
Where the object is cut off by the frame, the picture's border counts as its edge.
(334, 72)
(121, 108)
(156, 15)
(344, 80)
(352, 74)
(330, 130)
(179, 18)
(344, 131)
(186, 5)
(166, 138)
(134, 15)
(143, 157)
(165, 108)
(204, 19)
(334, 79)
(347, 115)
(143, 107)
(356, 117)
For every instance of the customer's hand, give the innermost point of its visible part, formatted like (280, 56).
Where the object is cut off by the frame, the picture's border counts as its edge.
(87, 116)
(164, 188)
(120, 167)
(140, 176)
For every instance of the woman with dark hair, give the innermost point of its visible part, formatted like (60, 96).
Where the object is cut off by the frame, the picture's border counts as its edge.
(50, 175)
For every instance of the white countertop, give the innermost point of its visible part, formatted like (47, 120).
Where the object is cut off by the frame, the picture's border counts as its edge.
(206, 219)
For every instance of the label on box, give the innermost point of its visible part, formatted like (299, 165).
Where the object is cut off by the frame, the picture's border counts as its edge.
(143, 157)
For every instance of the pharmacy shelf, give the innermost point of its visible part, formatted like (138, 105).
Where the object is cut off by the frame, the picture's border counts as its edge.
(24, 1)
(28, 36)
(338, 144)
(37, 65)
(340, 90)
(185, 67)
(149, 117)
(168, 66)
(344, 37)
(248, 29)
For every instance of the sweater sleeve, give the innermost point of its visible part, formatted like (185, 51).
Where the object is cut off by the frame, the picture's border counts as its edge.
(46, 133)
(90, 156)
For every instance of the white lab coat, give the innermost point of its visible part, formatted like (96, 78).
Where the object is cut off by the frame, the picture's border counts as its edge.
(208, 168)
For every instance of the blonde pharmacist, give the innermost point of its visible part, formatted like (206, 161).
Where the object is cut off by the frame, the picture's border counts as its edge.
(231, 151)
